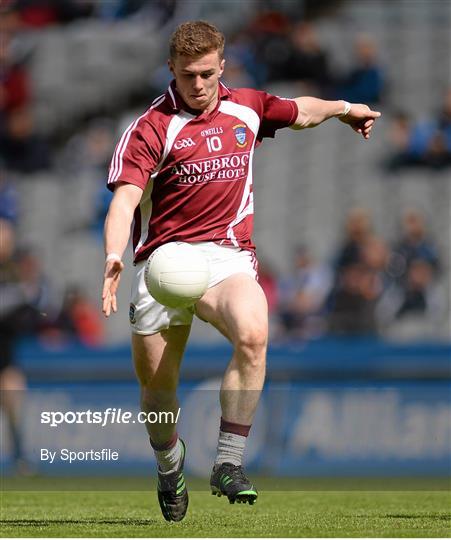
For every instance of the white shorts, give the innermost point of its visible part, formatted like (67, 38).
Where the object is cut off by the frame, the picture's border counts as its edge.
(147, 316)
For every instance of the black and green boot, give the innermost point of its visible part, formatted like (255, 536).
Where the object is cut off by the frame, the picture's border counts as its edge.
(172, 492)
(230, 480)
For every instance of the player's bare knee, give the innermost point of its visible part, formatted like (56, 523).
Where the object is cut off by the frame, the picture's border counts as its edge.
(252, 343)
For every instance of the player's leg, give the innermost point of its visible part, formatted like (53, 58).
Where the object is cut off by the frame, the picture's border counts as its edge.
(237, 307)
(159, 336)
(157, 360)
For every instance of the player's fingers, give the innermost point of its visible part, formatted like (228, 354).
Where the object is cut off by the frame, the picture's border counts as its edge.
(115, 284)
(106, 308)
(114, 303)
(106, 288)
(374, 114)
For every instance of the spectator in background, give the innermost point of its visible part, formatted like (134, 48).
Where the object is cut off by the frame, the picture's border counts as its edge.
(15, 83)
(424, 143)
(360, 278)
(43, 13)
(236, 74)
(97, 148)
(37, 288)
(427, 145)
(84, 158)
(415, 308)
(352, 303)
(417, 289)
(404, 153)
(159, 12)
(17, 317)
(270, 32)
(308, 61)
(444, 121)
(8, 197)
(22, 148)
(34, 304)
(90, 148)
(365, 82)
(437, 132)
(413, 244)
(80, 319)
(242, 48)
(413, 301)
(36, 13)
(358, 230)
(302, 296)
(374, 254)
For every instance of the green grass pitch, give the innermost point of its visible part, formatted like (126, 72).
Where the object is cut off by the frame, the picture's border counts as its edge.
(314, 513)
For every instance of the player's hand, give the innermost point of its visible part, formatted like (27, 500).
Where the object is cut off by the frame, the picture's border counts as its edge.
(361, 118)
(111, 278)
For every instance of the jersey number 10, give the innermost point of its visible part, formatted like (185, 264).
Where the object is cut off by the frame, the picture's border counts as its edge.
(214, 144)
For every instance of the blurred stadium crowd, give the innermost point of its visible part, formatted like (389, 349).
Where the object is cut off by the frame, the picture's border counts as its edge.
(60, 137)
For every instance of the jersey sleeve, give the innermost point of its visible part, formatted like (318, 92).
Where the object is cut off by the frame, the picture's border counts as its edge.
(277, 113)
(136, 155)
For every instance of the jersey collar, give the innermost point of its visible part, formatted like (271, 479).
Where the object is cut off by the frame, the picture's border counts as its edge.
(177, 103)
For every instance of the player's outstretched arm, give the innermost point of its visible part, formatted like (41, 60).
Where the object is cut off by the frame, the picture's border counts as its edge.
(313, 111)
(117, 231)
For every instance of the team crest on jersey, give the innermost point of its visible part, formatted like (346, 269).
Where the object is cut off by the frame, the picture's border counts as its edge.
(131, 313)
(240, 135)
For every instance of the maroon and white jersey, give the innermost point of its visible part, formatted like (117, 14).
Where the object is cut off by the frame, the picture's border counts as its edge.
(196, 170)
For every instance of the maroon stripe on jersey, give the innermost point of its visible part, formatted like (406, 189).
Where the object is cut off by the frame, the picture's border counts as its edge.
(117, 161)
(120, 148)
(223, 88)
(171, 93)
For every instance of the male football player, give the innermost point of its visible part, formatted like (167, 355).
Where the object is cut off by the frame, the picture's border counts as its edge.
(182, 171)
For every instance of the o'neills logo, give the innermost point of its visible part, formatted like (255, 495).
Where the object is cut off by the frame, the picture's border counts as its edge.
(220, 169)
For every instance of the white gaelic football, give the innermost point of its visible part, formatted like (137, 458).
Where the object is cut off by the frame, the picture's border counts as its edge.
(177, 274)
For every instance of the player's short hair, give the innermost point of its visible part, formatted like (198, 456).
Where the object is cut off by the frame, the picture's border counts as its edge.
(196, 38)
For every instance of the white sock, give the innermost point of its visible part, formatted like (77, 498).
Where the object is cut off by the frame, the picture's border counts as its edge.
(169, 460)
(230, 448)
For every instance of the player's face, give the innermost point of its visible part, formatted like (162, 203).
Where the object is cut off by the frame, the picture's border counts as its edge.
(197, 79)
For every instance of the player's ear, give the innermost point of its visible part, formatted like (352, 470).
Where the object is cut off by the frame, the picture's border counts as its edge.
(171, 66)
(221, 67)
